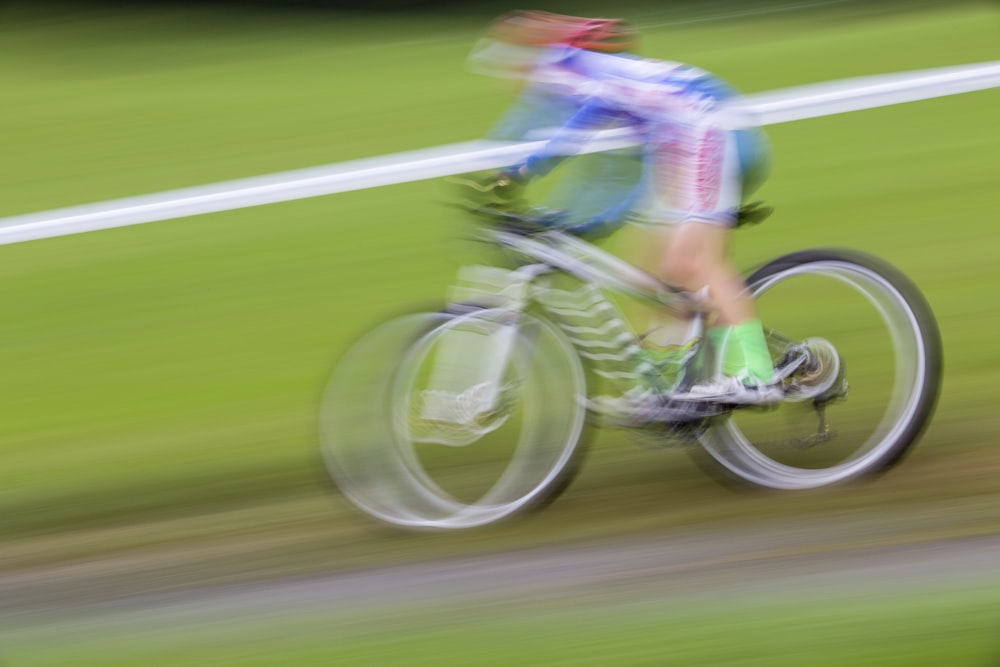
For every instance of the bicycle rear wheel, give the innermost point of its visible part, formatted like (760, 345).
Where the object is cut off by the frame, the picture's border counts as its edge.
(417, 451)
(877, 343)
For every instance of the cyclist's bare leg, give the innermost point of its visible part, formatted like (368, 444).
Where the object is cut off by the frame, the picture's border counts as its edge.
(695, 255)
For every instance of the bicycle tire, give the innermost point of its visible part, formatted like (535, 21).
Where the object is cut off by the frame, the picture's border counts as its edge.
(876, 430)
(397, 466)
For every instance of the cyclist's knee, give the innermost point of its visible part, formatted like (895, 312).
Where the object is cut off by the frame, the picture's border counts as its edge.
(694, 254)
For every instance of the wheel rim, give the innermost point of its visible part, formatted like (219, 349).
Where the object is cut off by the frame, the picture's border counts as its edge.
(419, 482)
(738, 442)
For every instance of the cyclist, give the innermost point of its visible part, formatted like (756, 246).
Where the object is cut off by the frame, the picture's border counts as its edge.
(695, 171)
(509, 50)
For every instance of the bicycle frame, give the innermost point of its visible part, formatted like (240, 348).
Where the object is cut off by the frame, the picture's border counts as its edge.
(567, 253)
(595, 327)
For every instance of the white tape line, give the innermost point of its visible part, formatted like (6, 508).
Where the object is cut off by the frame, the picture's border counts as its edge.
(759, 109)
(835, 97)
(284, 186)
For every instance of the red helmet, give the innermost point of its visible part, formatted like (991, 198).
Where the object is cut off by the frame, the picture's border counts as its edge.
(605, 35)
(539, 29)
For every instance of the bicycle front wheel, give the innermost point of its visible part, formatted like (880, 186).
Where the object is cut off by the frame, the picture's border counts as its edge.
(454, 420)
(880, 373)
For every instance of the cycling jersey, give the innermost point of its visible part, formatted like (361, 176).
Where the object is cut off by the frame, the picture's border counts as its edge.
(694, 168)
(596, 185)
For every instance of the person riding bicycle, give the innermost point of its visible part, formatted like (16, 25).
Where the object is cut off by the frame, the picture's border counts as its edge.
(510, 47)
(695, 171)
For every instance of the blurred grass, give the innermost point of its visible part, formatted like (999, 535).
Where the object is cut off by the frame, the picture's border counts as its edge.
(160, 382)
(927, 626)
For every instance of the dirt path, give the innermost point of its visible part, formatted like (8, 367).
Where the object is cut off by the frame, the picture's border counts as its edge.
(839, 556)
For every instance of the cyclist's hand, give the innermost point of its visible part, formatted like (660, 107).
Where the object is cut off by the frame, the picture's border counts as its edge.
(492, 189)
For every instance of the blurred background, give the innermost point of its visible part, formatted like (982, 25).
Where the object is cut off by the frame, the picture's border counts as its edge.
(160, 382)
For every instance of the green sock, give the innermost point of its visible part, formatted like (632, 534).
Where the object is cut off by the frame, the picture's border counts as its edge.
(756, 358)
(723, 341)
(744, 350)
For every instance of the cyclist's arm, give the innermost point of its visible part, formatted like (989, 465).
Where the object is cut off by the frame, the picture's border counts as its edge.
(568, 140)
(534, 115)
(571, 137)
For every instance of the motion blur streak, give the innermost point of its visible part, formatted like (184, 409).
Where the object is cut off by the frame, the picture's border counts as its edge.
(761, 109)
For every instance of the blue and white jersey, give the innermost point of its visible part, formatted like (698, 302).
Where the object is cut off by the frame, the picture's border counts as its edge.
(694, 167)
(654, 91)
(596, 186)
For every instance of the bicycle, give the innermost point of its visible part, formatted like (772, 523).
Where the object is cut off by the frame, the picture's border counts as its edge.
(464, 416)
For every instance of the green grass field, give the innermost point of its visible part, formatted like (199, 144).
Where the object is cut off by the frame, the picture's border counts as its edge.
(916, 629)
(160, 382)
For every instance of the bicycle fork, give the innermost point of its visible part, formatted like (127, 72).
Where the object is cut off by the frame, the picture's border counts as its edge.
(465, 389)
